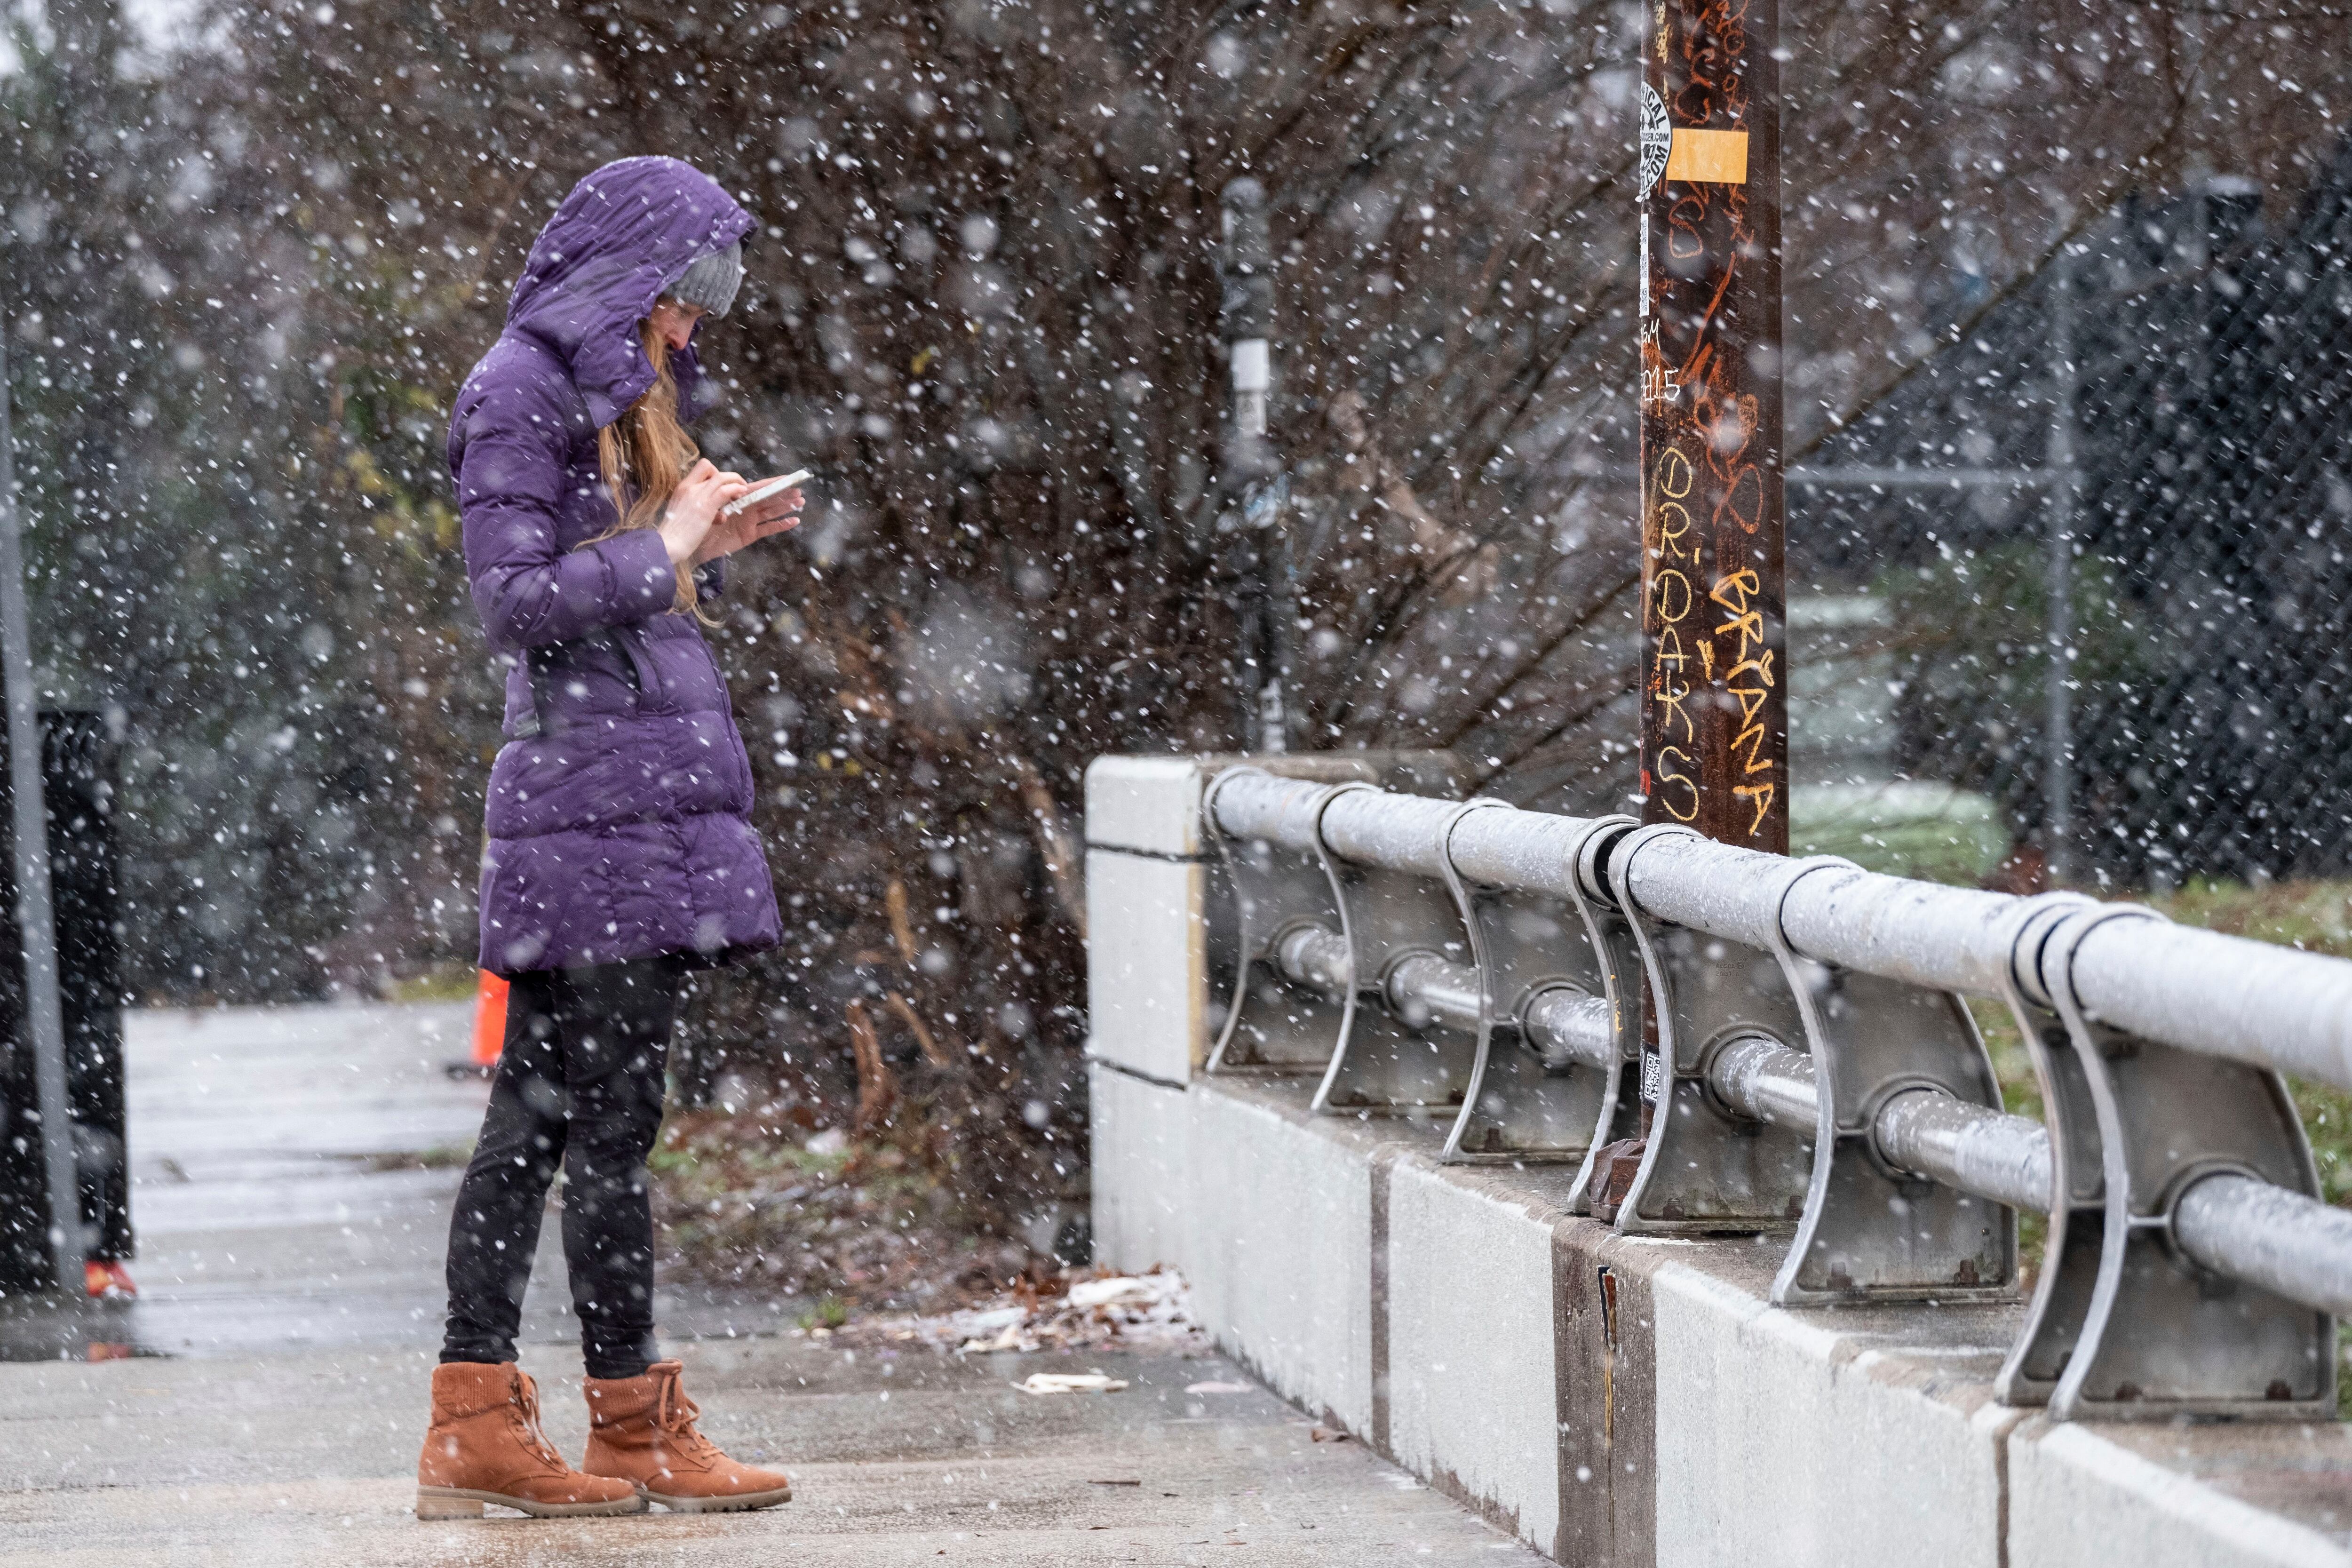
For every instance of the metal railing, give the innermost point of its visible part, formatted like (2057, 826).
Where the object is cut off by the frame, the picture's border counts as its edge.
(1797, 1029)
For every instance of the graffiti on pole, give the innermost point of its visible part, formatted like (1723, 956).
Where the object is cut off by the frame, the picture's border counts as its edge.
(1715, 687)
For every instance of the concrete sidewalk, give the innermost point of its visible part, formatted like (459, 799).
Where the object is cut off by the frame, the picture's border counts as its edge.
(293, 1175)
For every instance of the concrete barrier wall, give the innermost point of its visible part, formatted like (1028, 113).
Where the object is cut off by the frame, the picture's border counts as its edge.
(1608, 1399)
(2165, 1497)
(1819, 1447)
(1469, 1343)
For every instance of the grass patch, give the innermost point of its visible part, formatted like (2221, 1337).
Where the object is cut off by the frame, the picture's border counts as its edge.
(2314, 916)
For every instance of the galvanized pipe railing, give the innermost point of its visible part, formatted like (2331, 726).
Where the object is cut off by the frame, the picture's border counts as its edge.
(2237, 1225)
(1986, 1152)
(2132, 997)
(1562, 1025)
(2221, 996)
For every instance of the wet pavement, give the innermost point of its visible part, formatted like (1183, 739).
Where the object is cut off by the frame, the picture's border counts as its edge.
(292, 1171)
(292, 1175)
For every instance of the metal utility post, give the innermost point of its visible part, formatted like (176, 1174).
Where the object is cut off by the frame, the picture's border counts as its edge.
(1253, 475)
(1715, 711)
(2065, 502)
(44, 1010)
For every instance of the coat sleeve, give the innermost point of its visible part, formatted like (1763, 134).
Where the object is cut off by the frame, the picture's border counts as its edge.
(510, 478)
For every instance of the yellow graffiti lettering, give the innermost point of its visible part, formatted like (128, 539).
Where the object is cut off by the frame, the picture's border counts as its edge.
(1688, 810)
(1669, 534)
(1733, 589)
(1752, 738)
(1674, 474)
(1750, 628)
(1671, 698)
(1669, 584)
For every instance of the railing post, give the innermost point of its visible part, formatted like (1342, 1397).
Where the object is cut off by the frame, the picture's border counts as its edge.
(1385, 1061)
(1873, 1230)
(1521, 1106)
(1702, 1169)
(1275, 889)
(2163, 1337)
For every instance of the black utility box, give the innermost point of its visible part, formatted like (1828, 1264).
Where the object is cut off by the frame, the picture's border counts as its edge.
(77, 774)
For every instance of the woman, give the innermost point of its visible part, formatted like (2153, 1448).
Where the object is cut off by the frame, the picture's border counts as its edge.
(620, 851)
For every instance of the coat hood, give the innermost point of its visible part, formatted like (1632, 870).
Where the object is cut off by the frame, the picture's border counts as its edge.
(625, 234)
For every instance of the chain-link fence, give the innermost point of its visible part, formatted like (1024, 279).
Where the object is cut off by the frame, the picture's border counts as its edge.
(2153, 436)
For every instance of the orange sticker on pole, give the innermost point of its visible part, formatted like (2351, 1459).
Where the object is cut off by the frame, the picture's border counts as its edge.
(1713, 157)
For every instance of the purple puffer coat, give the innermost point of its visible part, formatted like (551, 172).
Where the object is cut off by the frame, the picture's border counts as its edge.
(619, 811)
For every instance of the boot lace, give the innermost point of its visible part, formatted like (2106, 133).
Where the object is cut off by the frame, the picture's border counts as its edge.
(527, 1398)
(675, 1414)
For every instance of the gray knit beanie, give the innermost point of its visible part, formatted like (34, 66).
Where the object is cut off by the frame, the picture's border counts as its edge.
(711, 281)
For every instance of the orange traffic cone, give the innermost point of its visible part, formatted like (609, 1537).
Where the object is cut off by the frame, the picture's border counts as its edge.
(490, 1021)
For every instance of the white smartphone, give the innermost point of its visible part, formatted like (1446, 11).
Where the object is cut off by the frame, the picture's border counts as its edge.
(773, 487)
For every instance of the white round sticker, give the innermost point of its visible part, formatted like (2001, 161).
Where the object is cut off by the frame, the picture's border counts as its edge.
(1657, 137)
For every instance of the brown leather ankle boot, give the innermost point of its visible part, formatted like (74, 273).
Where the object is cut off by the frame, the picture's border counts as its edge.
(485, 1446)
(641, 1430)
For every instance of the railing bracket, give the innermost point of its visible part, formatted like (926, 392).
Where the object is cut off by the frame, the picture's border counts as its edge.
(1703, 1170)
(1872, 1232)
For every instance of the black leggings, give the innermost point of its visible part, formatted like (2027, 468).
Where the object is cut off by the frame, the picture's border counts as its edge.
(579, 1085)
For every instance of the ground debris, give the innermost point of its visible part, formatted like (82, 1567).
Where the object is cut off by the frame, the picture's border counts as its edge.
(1080, 1310)
(1071, 1382)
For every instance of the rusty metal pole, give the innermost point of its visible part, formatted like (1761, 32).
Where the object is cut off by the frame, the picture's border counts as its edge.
(1715, 726)
(1715, 719)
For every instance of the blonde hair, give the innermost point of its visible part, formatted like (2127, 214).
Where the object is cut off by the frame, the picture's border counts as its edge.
(643, 454)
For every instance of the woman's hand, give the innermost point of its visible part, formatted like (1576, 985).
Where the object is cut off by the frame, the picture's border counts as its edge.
(690, 520)
(772, 516)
